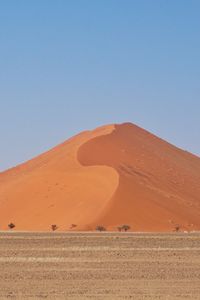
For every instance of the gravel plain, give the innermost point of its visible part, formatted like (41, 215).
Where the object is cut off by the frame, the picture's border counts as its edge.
(76, 265)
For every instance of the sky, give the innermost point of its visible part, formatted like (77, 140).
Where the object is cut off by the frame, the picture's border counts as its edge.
(72, 65)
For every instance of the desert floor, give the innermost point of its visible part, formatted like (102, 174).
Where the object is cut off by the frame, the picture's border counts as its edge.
(99, 266)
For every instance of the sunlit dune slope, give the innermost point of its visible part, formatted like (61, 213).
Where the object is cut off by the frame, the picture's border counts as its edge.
(116, 174)
(55, 189)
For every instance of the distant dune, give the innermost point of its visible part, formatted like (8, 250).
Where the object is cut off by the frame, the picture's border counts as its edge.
(113, 175)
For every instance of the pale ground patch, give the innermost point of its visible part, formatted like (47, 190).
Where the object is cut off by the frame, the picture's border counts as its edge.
(99, 266)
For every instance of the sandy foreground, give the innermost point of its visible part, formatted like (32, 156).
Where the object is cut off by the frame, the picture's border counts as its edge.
(99, 266)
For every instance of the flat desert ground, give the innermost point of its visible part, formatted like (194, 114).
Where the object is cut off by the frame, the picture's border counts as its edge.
(96, 265)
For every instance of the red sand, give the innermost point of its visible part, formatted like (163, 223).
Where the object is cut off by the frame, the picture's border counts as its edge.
(116, 174)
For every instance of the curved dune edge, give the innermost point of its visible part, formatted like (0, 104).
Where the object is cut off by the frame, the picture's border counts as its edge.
(112, 175)
(158, 183)
(55, 188)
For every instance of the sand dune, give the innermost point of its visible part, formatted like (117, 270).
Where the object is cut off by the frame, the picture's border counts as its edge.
(112, 175)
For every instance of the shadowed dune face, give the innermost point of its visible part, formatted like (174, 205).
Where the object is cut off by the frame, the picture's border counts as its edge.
(113, 175)
(159, 184)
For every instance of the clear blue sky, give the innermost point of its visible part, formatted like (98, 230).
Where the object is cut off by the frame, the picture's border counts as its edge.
(71, 65)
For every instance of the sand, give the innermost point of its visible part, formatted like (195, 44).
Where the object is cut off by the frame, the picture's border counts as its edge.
(99, 266)
(113, 175)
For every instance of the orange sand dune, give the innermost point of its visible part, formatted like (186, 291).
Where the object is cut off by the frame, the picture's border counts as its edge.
(113, 175)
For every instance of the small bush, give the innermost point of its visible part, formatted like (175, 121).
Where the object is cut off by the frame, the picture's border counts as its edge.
(73, 226)
(54, 227)
(125, 227)
(177, 228)
(119, 228)
(11, 225)
(100, 228)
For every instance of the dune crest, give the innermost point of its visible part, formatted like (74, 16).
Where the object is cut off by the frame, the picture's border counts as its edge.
(113, 175)
(54, 188)
(159, 184)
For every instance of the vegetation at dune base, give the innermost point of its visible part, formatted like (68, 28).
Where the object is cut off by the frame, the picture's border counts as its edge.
(54, 227)
(177, 228)
(11, 225)
(100, 228)
(73, 226)
(123, 228)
